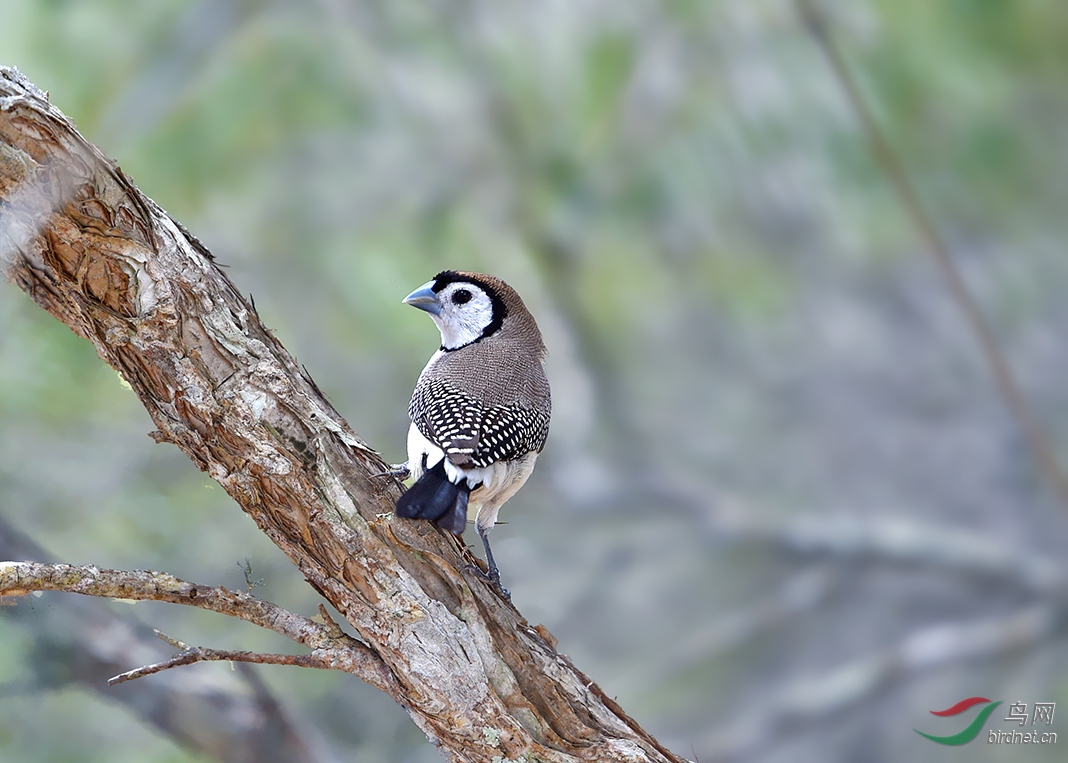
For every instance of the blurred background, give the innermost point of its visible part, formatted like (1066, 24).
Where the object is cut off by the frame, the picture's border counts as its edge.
(783, 512)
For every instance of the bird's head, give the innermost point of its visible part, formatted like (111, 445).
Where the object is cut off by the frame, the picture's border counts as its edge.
(467, 307)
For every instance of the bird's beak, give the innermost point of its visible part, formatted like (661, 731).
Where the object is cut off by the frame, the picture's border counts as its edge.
(425, 299)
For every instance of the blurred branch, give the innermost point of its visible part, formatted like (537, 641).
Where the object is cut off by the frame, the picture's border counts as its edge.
(832, 691)
(897, 540)
(91, 249)
(81, 641)
(895, 172)
(800, 594)
(891, 539)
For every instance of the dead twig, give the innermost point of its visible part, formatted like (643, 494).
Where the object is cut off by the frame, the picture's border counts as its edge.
(193, 654)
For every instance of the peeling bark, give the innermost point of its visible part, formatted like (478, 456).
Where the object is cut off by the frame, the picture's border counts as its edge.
(91, 249)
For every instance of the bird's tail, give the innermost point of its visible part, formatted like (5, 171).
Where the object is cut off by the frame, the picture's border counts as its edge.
(433, 497)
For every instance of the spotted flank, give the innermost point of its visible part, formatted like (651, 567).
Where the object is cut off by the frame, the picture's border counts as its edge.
(471, 434)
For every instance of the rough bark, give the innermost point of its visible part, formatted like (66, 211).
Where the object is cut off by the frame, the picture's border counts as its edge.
(90, 248)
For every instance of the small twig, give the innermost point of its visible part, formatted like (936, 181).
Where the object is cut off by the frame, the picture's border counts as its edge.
(181, 645)
(246, 570)
(192, 654)
(895, 172)
(331, 624)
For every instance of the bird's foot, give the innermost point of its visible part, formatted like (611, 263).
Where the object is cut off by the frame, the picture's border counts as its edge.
(491, 576)
(399, 472)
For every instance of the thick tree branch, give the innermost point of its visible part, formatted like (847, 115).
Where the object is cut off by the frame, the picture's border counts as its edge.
(89, 247)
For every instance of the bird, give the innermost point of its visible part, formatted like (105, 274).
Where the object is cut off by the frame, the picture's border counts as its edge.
(481, 408)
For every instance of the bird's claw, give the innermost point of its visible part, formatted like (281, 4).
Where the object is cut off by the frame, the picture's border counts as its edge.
(399, 472)
(493, 577)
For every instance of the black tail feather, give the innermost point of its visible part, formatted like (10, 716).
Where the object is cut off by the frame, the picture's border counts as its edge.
(455, 521)
(433, 497)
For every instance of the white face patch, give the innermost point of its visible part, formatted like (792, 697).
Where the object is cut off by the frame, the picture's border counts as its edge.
(466, 311)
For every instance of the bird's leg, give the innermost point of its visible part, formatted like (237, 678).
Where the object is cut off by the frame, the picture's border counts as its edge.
(493, 575)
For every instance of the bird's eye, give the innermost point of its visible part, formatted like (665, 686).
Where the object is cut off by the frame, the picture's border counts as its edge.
(461, 296)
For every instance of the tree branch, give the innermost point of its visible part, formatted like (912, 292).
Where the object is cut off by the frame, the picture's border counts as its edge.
(83, 641)
(89, 247)
(330, 647)
(191, 654)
